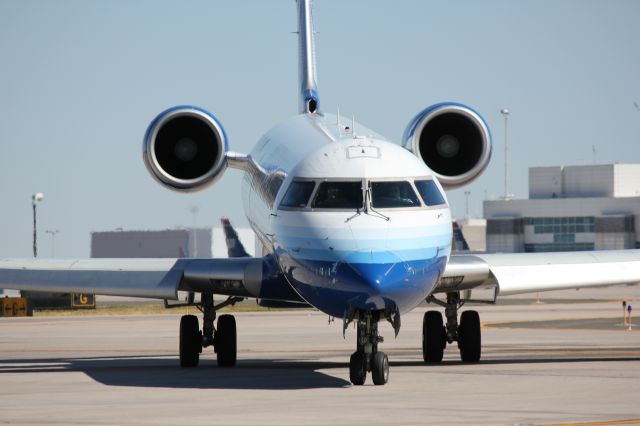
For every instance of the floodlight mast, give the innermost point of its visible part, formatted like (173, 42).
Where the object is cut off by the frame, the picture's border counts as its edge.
(507, 196)
(35, 199)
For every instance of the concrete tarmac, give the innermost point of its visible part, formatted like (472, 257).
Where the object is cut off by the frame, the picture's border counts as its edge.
(293, 369)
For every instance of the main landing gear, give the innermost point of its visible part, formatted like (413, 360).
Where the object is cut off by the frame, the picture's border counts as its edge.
(435, 335)
(367, 358)
(222, 338)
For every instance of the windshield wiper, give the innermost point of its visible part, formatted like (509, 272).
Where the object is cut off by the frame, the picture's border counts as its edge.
(358, 213)
(367, 202)
(367, 209)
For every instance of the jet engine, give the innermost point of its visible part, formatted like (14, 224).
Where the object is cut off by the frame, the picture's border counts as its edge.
(184, 148)
(452, 140)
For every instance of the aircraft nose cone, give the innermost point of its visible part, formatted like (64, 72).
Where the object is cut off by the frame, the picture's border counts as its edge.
(387, 280)
(380, 274)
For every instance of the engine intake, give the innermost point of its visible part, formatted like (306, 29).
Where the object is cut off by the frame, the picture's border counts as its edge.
(184, 148)
(452, 140)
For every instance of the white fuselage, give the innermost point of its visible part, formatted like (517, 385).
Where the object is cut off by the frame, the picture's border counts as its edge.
(345, 258)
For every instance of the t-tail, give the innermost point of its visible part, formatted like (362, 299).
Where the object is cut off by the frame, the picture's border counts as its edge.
(459, 241)
(309, 99)
(234, 245)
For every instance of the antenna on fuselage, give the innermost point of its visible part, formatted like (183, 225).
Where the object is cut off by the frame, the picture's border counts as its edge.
(309, 99)
(353, 126)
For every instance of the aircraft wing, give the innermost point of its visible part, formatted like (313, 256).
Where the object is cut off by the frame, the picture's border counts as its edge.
(517, 273)
(150, 278)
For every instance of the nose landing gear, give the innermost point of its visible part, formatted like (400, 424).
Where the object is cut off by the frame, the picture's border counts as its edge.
(367, 358)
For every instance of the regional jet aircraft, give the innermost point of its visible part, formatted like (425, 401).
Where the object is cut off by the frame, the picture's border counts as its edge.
(350, 223)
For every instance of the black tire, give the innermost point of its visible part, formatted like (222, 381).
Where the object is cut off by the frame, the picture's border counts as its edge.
(357, 369)
(380, 368)
(469, 337)
(433, 337)
(190, 341)
(226, 341)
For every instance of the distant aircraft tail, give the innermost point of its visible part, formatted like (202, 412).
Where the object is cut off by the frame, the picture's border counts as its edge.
(459, 242)
(309, 99)
(234, 245)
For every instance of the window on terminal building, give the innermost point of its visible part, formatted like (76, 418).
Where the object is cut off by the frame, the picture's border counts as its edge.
(553, 247)
(561, 225)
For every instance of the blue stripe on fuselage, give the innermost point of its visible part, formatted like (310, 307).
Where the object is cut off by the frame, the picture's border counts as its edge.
(336, 286)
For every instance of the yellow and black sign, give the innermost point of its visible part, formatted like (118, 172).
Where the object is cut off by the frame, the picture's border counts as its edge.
(14, 307)
(83, 301)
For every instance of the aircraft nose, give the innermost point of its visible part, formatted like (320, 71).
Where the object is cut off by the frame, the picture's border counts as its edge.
(387, 280)
(380, 273)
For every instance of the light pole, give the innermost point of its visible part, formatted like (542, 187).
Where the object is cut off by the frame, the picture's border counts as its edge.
(466, 216)
(53, 240)
(194, 211)
(505, 113)
(35, 199)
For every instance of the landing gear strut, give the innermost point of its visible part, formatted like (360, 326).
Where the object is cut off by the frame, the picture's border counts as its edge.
(223, 339)
(435, 336)
(367, 358)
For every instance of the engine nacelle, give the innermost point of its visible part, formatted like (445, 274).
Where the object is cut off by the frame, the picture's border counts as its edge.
(452, 140)
(184, 148)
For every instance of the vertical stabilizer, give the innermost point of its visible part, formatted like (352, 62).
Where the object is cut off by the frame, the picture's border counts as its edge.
(459, 241)
(234, 245)
(309, 99)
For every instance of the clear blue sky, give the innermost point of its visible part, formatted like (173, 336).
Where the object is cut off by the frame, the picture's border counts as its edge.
(80, 81)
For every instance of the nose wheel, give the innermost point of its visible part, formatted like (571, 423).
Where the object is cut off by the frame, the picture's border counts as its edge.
(367, 358)
(380, 368)
(358, 368)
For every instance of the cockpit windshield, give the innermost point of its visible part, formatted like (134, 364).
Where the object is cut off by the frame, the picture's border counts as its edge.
(338, 195)
(393, 195)
(430, 193)
(298, 194)
(307, 193)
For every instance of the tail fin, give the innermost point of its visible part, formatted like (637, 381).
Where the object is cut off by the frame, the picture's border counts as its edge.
(459, 242)
(309, 99)
(234, 246)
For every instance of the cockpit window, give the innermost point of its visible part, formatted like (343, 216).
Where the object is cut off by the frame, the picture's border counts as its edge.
(338, 195)
(298, 194)
(393, 194)
(429, 192)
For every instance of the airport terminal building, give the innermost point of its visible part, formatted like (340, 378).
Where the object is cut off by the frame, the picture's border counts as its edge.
(569, 208)
(169, 243)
